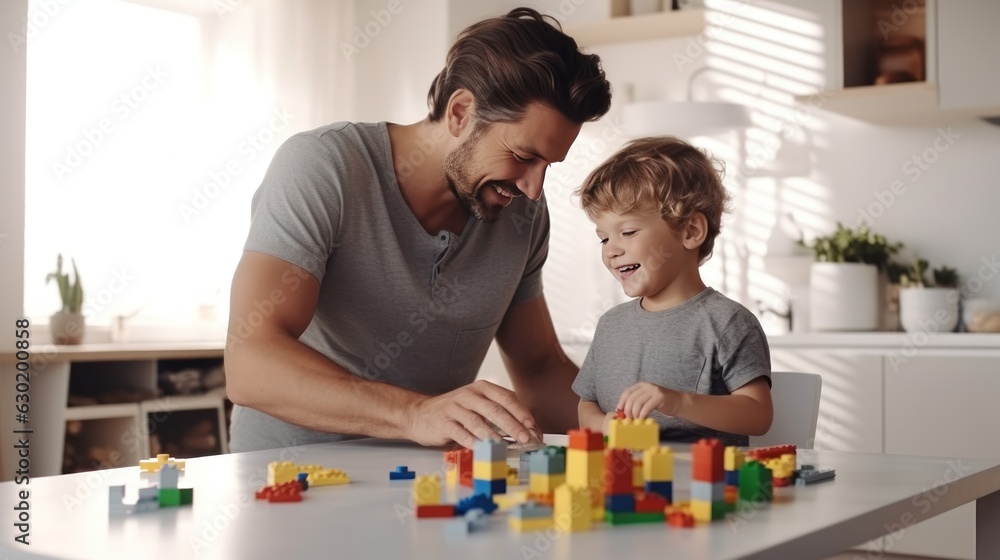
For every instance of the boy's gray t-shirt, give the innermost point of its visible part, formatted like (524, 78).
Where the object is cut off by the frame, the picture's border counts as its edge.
(710, 345)
(396, 304)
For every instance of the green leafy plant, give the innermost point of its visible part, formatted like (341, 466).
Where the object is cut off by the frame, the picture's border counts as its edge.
(895, 271)
(71, 293)
(859, 245)
(916, 276)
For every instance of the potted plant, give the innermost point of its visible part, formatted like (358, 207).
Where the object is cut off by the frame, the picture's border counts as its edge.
(67, 325)
(843, 282)
(928, 306)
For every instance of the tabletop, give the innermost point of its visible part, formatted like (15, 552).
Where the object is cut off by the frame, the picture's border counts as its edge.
(373, 517)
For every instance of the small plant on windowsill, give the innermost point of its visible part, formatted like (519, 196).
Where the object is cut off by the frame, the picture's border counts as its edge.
(67, 325)
(929, 306)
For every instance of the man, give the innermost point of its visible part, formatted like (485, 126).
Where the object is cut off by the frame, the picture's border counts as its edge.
(383, 259)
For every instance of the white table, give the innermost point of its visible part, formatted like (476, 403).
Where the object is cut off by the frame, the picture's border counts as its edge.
(872, 495)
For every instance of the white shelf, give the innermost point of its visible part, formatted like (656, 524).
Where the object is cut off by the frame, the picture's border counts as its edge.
(627, 29)
(102, 411)
(888, 341)
(906, 104)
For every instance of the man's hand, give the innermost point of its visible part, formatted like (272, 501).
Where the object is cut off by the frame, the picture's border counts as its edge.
(470, 413)
(641, 399)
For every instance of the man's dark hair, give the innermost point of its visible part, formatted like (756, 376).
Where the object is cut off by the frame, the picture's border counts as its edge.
(511, 61)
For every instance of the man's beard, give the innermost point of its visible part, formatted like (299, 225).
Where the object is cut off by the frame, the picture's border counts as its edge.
(461, 182)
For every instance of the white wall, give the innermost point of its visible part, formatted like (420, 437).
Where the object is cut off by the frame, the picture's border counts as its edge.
(395, 70)
(13, 64)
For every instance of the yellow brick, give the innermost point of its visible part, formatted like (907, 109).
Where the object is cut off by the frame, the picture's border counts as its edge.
(733, 459)
(156, 463)
(658, 465)
(637, 481)
(451, 475)
(427, 490)
(512, 477)
(701, 510)
(572, 509)
(327, 477)
(597, 514)
(484, 470)
(633, 434)
(506, 501)
(584, 468)
(279, 472)
(530, 524)
(540, 483)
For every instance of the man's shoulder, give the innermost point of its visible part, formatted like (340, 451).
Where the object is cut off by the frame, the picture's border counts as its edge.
(337, 134)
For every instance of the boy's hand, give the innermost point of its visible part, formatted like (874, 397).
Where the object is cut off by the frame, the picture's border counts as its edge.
(641, 399)
(606, 427)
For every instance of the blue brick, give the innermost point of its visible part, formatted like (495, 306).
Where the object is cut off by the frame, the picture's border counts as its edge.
(732, 478)
(475, 501)
(619, 502)
(489, 487)
(665, 489)
(304, 480)
(530, 510)
(402, 472)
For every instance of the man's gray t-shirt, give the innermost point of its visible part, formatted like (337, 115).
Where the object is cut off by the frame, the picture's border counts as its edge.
(396, 304)
(710, 345)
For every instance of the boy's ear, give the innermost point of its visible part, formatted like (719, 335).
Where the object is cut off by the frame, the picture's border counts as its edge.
(695, 231)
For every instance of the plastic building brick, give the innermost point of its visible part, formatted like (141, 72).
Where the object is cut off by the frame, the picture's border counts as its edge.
(543, 499)
(770, 452)
(731, 494)
(707, 491)
(303, 480)
(548, 461)
(619, 414)
(665, 489)
(572, 509)
(490, 451)
(402, 472)
(168, 476)
(523, 525)
(290, 491)
(524, 468)
(473, 520)
(506, 501)
(618, 471)
(116, 501)
(168, 497)
(732, 478)
(585, 469)
(812, 475)
(755, 483)
(733, 458)
(489, 487)
(531, 509)
(451, 475)
(475, 501)
(657, 464)
(707, 456)
(545, 483)
(481, 470)
(427, 490)
(637, 481)
(440, 510)
(154, 464)
(586, 440)
(327, 477)
(680, 519)
(279, 472)
(631, 517)
(619, 502)
(633, 434)
(513, 478)
(462, 459)
(650, 503)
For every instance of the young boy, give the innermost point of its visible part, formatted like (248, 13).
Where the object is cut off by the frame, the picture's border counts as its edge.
(680, 352)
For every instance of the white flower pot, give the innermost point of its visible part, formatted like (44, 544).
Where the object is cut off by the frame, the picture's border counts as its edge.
(843, 297)
(67, 328)
(928, 310)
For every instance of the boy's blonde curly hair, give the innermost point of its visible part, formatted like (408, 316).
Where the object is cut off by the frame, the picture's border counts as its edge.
(663, 174)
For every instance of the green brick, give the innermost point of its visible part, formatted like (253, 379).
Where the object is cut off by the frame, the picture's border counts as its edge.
(628, 517)
(187, 496)
(169, 497)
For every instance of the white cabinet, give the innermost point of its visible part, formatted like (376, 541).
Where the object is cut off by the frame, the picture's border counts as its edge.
(945, 406)
(912, 395)
(967, 42)
(850, 409)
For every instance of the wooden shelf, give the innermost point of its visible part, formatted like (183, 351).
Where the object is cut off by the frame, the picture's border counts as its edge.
(629, 29)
